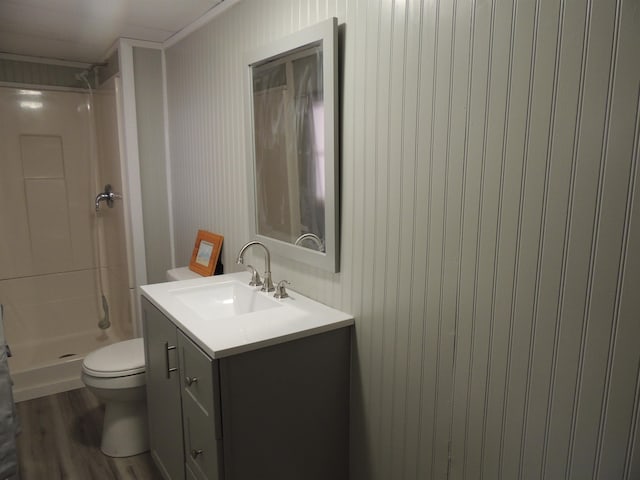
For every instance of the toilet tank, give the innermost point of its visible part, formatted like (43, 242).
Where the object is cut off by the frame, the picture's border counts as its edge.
(181, 273)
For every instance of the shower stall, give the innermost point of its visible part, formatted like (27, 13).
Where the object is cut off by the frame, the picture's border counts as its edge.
(65, 275)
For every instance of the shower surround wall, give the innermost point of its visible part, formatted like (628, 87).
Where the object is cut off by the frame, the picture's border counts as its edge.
(490, 223)
(115, 265)
(48, 260)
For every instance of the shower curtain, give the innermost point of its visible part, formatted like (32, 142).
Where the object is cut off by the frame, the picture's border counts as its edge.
(9, 425)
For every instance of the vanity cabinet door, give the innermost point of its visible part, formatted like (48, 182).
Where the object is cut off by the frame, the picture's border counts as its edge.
(163, 392)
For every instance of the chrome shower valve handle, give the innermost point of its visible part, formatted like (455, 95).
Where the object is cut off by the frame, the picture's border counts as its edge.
(107, 196)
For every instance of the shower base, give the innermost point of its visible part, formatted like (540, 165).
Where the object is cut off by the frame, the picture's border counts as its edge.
(40, 369)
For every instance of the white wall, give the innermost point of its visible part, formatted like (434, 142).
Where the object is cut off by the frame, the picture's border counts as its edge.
(112, 221)
(490, 223)
(147, 69)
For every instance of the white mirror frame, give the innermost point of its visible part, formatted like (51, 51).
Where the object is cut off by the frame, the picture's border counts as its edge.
(327, 33)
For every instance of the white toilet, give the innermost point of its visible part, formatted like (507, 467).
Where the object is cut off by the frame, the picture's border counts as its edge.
(116, 375)
(181, 273)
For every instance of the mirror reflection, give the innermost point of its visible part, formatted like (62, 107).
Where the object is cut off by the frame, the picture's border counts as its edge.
(288, 115)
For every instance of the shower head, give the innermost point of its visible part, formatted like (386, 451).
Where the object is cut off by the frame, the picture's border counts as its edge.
(90, 75)
(84, 76)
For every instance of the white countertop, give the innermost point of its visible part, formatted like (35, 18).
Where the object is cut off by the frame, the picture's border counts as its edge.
(294, 317)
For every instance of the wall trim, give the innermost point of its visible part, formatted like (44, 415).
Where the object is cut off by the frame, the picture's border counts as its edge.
(131, 171)
(167, 164)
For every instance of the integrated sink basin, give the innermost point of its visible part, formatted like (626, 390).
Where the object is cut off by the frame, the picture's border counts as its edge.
(222, 300)
(225, 316)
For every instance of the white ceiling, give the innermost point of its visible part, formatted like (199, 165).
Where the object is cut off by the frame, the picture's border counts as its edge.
(83, 30)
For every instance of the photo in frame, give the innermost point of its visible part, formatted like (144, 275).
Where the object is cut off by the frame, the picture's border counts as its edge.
(206, 252)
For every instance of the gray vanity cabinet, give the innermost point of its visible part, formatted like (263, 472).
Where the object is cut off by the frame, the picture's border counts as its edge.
(182, 384)
(279, 412)
(164, 404)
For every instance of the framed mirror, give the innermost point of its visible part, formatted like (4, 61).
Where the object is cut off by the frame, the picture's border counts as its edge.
(292, 151)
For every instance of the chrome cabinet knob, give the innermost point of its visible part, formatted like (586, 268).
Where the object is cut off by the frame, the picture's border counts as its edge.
(195, 453)
(191, 380)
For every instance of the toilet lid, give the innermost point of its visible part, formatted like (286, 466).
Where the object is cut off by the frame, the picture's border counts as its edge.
(116, 360)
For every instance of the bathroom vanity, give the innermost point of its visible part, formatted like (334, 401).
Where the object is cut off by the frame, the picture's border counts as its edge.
(242, 386)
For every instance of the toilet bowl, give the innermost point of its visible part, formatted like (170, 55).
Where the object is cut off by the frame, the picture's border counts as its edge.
(116, 376)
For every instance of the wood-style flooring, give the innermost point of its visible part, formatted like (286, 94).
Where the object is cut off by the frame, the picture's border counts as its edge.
(60, 439)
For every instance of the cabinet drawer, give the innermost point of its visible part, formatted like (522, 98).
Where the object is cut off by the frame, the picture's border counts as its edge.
(203, 451)
(198, 374)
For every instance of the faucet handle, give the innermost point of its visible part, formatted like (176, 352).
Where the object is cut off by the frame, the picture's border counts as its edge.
(256, 281)
(281, 291)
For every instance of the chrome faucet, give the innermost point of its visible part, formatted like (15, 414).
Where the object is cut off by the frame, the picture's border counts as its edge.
(268, 283)
(314, 239)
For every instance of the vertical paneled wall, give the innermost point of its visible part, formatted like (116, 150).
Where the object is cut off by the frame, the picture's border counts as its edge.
(21, 70)
(490, 223)
(147, 71)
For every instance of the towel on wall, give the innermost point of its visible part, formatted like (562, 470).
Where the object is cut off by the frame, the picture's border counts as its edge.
(9, 426)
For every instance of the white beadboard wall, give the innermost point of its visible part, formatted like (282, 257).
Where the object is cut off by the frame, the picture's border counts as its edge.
(490, 223)
(23, 70)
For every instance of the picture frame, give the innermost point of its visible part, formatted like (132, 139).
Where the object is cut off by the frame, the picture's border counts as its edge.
(206, 253)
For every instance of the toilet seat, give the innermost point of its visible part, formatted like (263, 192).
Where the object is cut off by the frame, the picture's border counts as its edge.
(114, 383)
(120, 359)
